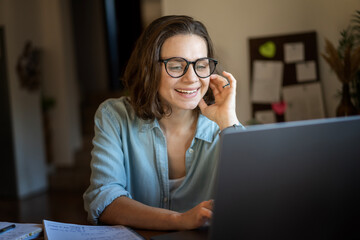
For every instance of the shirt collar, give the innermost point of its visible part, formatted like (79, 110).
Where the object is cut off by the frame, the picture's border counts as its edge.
(148, 125)
(204, 130)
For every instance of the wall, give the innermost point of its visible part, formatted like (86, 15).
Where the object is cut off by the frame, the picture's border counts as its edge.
(90, 44)
(29, 156)
(232, 22)
(60, 79)
(150, 10)
(47, 23)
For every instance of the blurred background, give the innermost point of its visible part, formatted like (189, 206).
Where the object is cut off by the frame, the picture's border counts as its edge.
(59, 59)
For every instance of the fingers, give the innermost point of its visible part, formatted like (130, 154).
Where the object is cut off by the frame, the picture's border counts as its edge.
(209, 204)
(214, 87)
(230, 78)
(219, 83)
(228, 84)
(207, 207)
(206, 215)
(197, 216)
(205, 212)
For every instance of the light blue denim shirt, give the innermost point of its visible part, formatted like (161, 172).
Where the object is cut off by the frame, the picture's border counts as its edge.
(130, 159)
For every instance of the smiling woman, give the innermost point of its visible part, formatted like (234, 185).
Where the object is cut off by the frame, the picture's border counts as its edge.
(155, 152)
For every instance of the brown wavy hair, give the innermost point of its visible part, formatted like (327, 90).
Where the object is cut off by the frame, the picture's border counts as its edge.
(143, 71)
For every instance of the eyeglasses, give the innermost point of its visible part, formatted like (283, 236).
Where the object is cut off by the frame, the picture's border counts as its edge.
(177, 66)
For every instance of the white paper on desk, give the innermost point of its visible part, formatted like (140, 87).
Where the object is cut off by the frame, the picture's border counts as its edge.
(61, 231)
(294, 52)
(303, 102)
(306, 71)
(21, 231)
(267, 81)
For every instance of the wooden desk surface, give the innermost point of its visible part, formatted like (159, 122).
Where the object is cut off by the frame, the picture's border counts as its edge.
(147, 234)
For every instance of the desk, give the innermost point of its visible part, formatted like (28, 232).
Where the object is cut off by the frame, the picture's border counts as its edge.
(147, 234)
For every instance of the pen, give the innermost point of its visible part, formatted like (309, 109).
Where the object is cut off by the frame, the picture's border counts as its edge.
(8, 228)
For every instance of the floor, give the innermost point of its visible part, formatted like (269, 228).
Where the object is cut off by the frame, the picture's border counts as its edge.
(61, 202)
(51, 205)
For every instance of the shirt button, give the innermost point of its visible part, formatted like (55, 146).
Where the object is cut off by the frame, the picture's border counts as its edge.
(191, 150)
(165, 199)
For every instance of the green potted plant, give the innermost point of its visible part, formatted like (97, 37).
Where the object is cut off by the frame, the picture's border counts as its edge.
(345, 62)
(356, 82)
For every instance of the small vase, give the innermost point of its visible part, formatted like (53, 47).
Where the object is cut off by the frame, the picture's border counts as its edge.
(346, 107)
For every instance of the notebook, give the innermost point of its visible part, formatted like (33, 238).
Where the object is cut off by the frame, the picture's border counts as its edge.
(294, 180)
(22, 231)
(62, 231)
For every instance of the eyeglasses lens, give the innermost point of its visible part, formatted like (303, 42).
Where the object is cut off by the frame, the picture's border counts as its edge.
(176, 67)
(203, 67)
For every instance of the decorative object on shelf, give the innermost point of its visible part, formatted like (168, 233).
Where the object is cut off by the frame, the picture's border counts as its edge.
(345, 62)
(28, 67)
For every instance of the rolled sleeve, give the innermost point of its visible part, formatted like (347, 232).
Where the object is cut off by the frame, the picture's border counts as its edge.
(238, 126)
(97, 200)
(108, 179)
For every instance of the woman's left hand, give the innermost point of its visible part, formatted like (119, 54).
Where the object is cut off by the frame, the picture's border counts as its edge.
(223, 110)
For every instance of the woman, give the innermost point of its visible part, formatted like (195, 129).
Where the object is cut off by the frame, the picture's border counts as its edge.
(155, 153)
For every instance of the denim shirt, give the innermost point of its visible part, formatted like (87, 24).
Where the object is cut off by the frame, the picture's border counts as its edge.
(130, 159)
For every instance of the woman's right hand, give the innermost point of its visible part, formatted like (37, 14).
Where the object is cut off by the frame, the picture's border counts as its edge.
(197, 216)
(223, 111)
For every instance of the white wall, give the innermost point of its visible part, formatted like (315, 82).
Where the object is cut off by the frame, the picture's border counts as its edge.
(25, 106)
(232, 22)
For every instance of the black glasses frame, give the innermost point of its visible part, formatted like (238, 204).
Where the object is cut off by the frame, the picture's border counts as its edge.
(165, 61)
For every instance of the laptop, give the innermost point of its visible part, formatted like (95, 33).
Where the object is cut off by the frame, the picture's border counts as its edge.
(293, 180)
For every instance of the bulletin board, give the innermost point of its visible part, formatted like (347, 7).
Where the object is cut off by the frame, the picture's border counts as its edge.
(284, 78)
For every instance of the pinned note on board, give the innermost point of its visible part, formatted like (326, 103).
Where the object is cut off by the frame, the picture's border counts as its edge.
(265, 116)
(294, 52)
(267, 80)
(268, 49)
(304, 102)
(306, 71)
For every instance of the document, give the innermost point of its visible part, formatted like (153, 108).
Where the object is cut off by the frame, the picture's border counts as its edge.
(294, 52)
(306, 71)
(265, 116)
(267, 81)
(22, 231)
(303, 102)
(60, 231)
